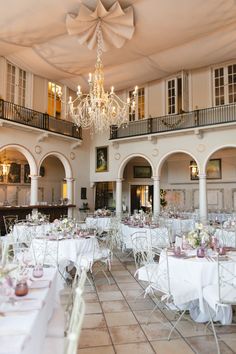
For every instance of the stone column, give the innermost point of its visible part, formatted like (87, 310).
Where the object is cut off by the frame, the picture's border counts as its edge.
(34, 189)
(119, 197)
(156, 196)
(202, 198)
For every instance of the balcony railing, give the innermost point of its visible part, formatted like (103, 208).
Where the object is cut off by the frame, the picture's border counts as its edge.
(199, 118)
(22, 115)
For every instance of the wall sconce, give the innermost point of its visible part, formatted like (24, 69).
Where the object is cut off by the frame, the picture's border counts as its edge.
(193, 170)
(5, 165)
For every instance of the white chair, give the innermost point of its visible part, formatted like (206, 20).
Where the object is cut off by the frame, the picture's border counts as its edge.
(69, 344)
(170, 294)
(222, 294)
(9, 222)
(142, 248)
(160, 237)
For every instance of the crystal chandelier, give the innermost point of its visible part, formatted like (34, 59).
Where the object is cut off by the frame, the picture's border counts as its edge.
(98, 110)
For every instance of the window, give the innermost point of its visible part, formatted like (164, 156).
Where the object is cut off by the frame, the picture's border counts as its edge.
(16, 85)
(224, 81)
(177, 94)
(54, 101)
(139, 112)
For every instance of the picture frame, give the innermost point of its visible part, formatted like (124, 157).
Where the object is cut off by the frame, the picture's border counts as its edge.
(142, 171)
(14, 175)
(213, 170)
(27, 173)
(83, 193)
(101, 159)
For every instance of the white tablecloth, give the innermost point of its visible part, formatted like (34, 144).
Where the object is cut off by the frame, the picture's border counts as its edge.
(23, 332)
(68, 249)
(158, 236)
(226, 237)
(21, 230)
(98, 222)
(198, 272)
(178, 226)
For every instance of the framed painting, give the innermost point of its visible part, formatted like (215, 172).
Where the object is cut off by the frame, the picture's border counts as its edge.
(26, 173)
(14, 173)
(213, 170)
(142, 172)
(83, 194)
(102, 159)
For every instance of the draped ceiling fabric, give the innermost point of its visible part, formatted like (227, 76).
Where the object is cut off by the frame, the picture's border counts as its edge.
(169, 36)
(116, 25)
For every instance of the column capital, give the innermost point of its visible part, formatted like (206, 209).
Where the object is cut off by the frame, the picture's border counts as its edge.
(34, 177)
(69, 179)
(156, 178)
(119, 180)
(202, 176)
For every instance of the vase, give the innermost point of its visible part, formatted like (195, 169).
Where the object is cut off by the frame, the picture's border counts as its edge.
(38, 271)
(201, 252)
(21, 288)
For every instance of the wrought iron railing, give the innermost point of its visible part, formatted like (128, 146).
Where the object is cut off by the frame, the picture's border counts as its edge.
(22, 115)
(194, 119)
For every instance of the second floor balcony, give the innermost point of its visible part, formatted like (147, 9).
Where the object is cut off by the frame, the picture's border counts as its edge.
(172, 123)
(21, 115)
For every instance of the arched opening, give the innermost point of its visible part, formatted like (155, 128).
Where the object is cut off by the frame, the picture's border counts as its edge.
(16, 165)
(52, 187)
(137, 185)
(220, 170)
(179, 183)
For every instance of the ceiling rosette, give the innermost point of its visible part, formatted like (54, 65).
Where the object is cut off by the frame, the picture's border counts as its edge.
(117, 25)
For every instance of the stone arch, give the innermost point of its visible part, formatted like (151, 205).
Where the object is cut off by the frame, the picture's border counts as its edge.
(65, 162)
(215, 150)
(29, 157)
(130, 157)
(162, 160)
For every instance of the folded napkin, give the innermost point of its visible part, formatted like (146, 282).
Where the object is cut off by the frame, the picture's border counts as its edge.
(40, 284)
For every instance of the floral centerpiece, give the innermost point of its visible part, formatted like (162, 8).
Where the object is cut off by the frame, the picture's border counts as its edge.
(64, 224)
(200, 236)
(102, 212)
(37, 217)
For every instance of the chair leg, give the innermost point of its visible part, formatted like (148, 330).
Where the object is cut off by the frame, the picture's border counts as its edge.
(175, 325)
(213, 329)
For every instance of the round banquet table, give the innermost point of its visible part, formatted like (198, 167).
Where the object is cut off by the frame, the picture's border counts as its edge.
(64, 249)
(102, 223)
(226, 237)
(198, 273)
(20, 230)
(158, 235)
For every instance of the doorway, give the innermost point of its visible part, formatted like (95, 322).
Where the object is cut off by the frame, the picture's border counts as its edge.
(141, 198)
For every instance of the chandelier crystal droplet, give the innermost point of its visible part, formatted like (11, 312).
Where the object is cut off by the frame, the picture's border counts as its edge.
(98, 110)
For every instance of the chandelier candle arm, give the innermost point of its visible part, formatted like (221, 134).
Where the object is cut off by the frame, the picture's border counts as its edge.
(98, 110)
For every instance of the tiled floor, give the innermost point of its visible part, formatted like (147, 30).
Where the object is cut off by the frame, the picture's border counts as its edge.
(115, 321)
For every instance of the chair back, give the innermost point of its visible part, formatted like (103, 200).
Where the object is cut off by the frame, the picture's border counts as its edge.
(142, 248)
(9, 222)
(226, 280)
(75, 325)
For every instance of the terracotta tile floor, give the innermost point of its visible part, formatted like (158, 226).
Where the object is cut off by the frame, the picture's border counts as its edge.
(116, 316)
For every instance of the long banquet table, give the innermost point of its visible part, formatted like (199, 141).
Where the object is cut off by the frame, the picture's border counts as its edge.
(23, 323)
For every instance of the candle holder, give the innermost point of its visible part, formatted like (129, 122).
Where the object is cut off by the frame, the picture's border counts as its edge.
(21, 288)
(38, 271)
